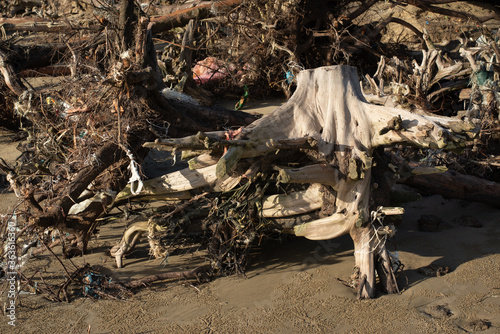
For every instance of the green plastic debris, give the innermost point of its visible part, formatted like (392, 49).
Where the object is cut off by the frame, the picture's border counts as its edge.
(483, 76)
(243, 99)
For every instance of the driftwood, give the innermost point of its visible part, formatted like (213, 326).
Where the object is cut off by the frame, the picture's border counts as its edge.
(129, 240)
(38, 24)
(347, 129)
(173, 16)
(134, 75)
(178, 18)
(193, 273)
(334, 119)
(182, 16)
(183, 180)
(67, 214)
(423, 83)
(109, 154)
(451, 184)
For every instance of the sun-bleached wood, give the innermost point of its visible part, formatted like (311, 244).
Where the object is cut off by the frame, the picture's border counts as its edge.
(328, 104)
(329, 114)
(183, 180)
(296, 203)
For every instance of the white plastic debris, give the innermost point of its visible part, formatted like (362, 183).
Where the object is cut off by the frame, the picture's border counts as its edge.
(135, 177)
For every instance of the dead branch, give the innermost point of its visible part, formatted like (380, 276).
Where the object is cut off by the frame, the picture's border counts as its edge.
(10, 77)
(182, 17)
(345, 142)
(429, 6)
(110, 153)
(38, 24)
(193, 273)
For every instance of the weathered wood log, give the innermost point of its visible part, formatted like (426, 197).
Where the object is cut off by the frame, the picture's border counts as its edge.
(212, 141)
(183, 16)
(200, 141)
(451, 184)
(193, 118)
(176, 185)
(179, 181)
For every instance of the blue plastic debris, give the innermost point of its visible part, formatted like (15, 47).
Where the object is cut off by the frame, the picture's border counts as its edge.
(92, 284)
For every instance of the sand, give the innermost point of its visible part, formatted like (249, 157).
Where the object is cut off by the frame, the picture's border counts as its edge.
(291, 287)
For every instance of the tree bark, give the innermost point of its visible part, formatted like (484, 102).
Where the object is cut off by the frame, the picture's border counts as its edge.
(126, 22)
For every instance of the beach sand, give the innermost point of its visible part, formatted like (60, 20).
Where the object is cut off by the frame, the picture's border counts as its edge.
(291, 287)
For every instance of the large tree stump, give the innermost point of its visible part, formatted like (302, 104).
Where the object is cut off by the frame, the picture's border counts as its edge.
(328, 113)
(329, 105)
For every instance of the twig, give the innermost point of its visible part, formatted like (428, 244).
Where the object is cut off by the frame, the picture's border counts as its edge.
(183, 206)
(149, 279)
(50, 292)
(57, 258)
(28, 281)
(179, 45)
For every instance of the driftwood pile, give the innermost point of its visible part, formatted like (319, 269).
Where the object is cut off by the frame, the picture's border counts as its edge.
(323, 141)
(320, 166)
(461, 84)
